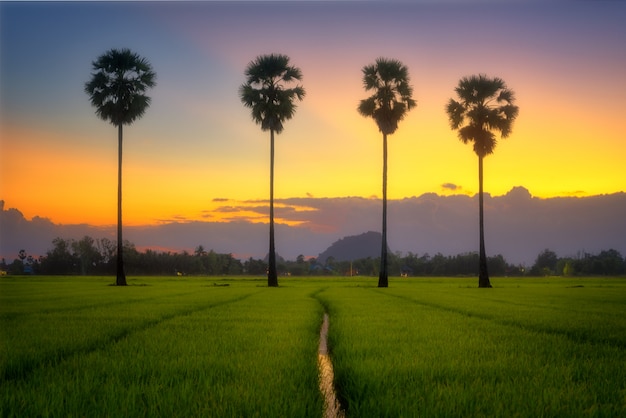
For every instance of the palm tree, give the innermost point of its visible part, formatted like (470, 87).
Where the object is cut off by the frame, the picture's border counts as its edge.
(117, 89)
(390, 102)
(485, 107)
(266, 93)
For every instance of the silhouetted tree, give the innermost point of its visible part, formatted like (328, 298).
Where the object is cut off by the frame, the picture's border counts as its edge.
(87, 253)
(60, 260)
(485, 106)
(117, 90)
(606, 262)
(266, 93)
(200, 251)
(108, 251)
(254, 267)
(612, 262)
(390, 102)
(545, 264)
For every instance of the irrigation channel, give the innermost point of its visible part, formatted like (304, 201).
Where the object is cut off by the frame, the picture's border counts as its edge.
(332, 409)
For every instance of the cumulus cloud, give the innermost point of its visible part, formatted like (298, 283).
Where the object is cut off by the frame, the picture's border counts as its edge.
(36, 235)
(517, 225)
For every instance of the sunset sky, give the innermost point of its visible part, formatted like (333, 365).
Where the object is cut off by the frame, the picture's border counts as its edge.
(197, 155)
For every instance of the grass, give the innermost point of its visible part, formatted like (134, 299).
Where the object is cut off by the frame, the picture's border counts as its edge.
(442, 349)
(423, 347)
(183, 348)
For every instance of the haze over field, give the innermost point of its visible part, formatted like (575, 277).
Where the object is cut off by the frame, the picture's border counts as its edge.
(196, 166)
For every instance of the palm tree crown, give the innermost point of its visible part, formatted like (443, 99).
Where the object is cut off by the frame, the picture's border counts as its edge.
(391, 101)
(486, 106)
(265, 91)
(118, 85)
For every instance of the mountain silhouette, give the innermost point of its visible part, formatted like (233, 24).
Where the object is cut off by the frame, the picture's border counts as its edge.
(353, 247)
(279, 258)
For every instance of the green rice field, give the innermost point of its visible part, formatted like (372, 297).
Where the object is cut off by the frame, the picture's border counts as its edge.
(232, 347)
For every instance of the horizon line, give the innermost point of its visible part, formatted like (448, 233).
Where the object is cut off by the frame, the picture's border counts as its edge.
(180, 219)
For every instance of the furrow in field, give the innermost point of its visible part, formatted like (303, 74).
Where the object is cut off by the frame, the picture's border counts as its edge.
(22, 369)
(332, 409)
(332, 406)
(548, 306)
(573, 335)
(11, 316)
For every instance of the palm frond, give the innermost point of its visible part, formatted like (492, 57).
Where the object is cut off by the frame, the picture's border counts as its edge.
(367, 106)
(485, 144)
(392, 99)
(455, 111)
(468, 132)
(506, 95)
(118, 84)
(477, 94)
(371, 80)
(266, 93)
(510, 111)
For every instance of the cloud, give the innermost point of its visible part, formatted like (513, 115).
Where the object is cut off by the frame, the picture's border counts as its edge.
(36, 235)
(450, 186)
(232, 209)
(574, 193)
(258, 211)
(517, 225)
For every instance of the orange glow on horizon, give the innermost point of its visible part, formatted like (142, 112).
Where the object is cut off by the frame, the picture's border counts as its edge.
(72, 184)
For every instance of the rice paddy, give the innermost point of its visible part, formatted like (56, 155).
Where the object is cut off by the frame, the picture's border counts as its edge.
(216, 347)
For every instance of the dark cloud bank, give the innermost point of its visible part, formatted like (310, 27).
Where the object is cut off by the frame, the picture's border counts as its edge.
(517, 225)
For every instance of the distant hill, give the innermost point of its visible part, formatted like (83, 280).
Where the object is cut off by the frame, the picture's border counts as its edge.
(279, 258)
(353, 247)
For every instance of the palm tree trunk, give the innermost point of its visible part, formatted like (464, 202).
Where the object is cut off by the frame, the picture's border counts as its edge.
(483, 274)
(121, 276)
(272, 275)
(383, 278)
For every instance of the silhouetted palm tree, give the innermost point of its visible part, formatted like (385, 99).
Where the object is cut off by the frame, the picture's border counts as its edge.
(391, 101)
(117, 91)
(485, 106)
(265, 92)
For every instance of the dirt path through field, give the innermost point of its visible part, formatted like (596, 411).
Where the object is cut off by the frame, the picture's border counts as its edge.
(332, 409)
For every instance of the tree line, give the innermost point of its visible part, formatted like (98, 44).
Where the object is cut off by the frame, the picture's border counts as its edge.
(89, 256)
(605, 263)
